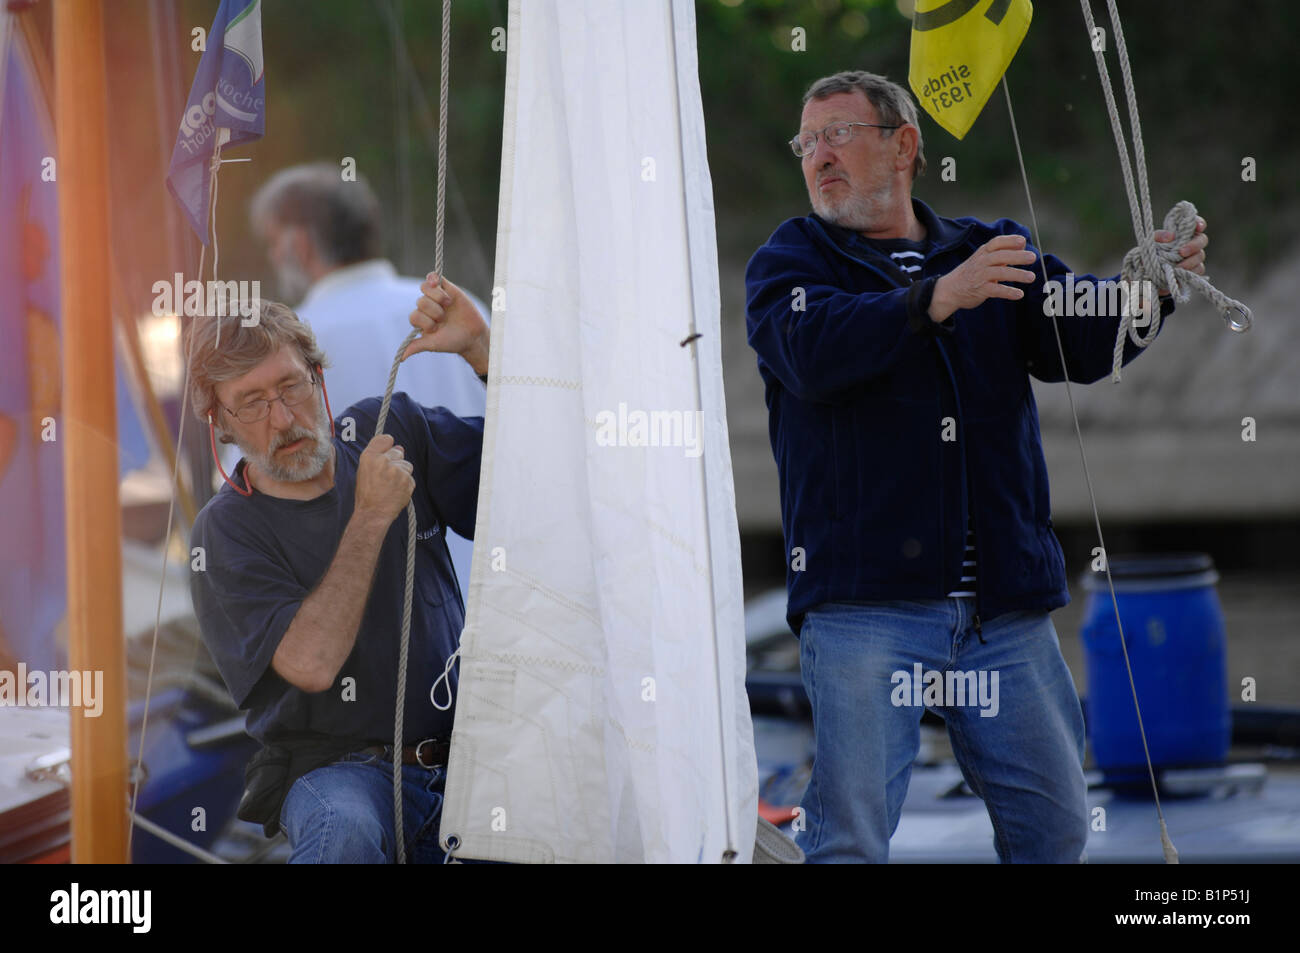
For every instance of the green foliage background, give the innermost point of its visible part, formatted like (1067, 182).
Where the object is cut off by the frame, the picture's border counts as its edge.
(1215, 83)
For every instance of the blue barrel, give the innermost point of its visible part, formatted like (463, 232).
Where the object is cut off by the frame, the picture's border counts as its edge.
(1173, 625)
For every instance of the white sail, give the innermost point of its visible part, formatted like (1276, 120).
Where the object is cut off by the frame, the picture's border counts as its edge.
(601, 714)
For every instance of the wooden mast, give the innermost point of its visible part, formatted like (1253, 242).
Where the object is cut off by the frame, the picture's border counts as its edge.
(89, 433)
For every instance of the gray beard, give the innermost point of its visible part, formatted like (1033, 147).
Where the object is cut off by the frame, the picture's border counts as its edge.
(304, 464)
(293, 281)
(856, 211)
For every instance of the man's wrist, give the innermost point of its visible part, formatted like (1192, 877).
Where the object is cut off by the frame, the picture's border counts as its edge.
(476, 356)
(369, 523)
(940, 308)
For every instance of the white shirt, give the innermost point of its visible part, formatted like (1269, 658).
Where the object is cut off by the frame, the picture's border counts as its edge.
(360, 314)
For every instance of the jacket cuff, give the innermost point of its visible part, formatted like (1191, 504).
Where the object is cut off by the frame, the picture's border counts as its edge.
(919, 297)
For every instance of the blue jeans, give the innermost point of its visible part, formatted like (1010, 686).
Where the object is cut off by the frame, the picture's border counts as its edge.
(1016, 727)
(343, 813)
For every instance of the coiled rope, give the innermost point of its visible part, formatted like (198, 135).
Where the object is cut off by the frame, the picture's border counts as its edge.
(1150, 260)
(399, 714)
(1167, 845)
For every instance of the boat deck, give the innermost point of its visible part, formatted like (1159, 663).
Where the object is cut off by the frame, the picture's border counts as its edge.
(34, 814)
(1251, 817)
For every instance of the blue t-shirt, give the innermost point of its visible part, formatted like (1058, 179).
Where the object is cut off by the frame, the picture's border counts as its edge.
(264, 556)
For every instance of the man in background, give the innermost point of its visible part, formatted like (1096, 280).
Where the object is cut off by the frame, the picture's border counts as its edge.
(324, 239)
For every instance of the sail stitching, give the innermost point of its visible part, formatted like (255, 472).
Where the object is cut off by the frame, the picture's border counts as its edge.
(527, 381)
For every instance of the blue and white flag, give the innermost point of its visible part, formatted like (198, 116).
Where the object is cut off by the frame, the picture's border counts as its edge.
(228, 94)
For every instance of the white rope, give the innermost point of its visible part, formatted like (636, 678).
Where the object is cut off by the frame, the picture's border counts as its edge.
(1171, 855)
(178, 842)
(470, 241)
(171, 503)
(1147, 252)
(1150, 260)
(444, 677)
(212, 217)
(1142, 225)
(399, 713)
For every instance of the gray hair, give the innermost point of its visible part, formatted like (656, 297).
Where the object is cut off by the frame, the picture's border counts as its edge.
(242, 349)
(342, 218)
(893, 104)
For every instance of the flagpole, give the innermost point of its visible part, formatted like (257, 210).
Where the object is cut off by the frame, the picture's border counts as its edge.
(88, 432)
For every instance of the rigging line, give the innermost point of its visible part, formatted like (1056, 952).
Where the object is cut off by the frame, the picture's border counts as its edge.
(401, 111)
(442, 138)
(729, 853)
(171, 503)
(212, 216)
(178, 842)
(1145, 261)
(1140, 212)
(483, 272)
(399, 708)
(1167, 846)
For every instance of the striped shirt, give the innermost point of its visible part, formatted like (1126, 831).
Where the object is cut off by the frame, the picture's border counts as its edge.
(966, 589)
(909, 262)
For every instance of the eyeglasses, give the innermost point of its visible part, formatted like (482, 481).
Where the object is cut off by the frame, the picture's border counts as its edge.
(836, 134)
(256, 410)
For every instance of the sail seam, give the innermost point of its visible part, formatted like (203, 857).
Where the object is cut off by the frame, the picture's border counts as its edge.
(524, 381)
(513, 658)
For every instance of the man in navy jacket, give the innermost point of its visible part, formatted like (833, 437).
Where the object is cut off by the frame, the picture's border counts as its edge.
(896, 348)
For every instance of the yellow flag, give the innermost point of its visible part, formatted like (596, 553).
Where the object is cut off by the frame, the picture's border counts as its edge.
(960, 49)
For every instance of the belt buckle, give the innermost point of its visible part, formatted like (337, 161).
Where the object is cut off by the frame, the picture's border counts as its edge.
(418, 759)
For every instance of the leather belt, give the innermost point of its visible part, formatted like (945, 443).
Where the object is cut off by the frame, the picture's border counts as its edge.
(429, 753)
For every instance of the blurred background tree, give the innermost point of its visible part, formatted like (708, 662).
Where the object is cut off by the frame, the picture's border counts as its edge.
(1210, 94)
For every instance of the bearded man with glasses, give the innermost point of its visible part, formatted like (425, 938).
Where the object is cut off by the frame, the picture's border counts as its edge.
(895, 347)
(299, 589)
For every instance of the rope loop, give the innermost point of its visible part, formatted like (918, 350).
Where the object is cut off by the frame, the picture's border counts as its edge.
(1156, 262)
(444, 677)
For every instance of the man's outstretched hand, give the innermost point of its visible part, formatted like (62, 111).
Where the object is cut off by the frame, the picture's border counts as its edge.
(980, 277)
(450, 323)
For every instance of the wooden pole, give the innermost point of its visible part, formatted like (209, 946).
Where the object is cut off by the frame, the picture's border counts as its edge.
(89, 433)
